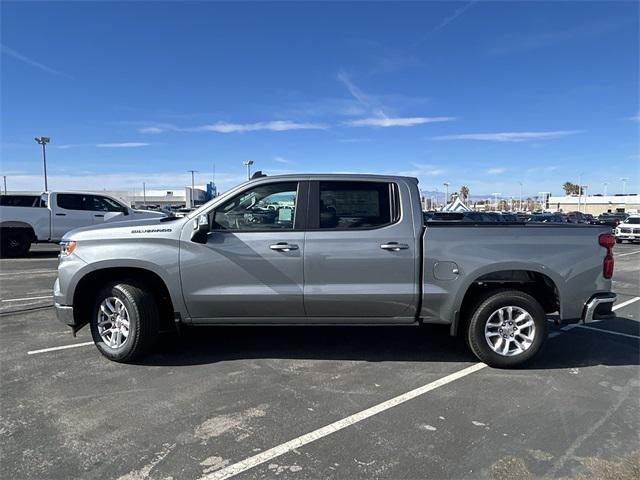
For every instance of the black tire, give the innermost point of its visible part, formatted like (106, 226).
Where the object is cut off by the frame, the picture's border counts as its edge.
(618, 240)
(482, 311)
(15, 243)
(143, 315)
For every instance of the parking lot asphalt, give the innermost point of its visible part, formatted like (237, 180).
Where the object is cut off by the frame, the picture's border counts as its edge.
(313, 402)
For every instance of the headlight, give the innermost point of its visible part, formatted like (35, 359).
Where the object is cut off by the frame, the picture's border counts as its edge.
(67, 248)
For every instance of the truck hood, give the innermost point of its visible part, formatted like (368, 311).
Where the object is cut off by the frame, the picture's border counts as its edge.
(126, 228)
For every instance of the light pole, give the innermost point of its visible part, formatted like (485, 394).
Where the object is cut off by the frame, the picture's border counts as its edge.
(144, 194)
(446, 192)
(4, 181)
(248, 163)
(520, 195)
(605, 188)
(193, 187)
(43, 141)
(495, 195)
(624, 185)
(580, 192)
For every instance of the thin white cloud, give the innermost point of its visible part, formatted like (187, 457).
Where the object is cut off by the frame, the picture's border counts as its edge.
(509, 136)
(635, 118)
(396, 122)
(123, 145)
(495, 171)
(422, 170)
(275, 126)
(459, 11)
(282, 160)
(228, 127)
(150, 130)
(29, 61)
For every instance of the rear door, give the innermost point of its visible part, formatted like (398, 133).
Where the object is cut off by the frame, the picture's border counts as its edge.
(69, 212)
(360, 252)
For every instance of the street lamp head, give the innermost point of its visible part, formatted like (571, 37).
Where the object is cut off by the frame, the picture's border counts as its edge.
(42, 140)
(247, 162)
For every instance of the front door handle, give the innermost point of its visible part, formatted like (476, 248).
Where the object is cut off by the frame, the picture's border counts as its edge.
(61, 214)
(283, 247)
(99, 216)
(394, 246)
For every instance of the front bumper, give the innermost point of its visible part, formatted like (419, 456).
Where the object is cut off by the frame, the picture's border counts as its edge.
(628, 236)
(65, 314)
(599, 307)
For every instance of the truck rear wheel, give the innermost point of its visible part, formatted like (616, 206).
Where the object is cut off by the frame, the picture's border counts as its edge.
(15, 243)
(506, 328)
(124, 321)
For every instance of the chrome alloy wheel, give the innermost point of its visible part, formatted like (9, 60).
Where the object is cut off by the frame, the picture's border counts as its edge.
(510, 331)
(113, 322)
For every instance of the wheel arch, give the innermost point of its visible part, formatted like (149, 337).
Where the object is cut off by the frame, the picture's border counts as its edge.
(536, 282)
(89, 285)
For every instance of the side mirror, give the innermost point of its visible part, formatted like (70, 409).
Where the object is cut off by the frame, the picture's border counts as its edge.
(200, 229)
(125, 211)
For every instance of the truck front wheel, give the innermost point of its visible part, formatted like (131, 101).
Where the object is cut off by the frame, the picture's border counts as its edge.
(124, 321)
(506, 328)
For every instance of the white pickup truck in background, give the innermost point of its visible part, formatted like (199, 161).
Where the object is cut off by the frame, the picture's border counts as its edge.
(46, 217)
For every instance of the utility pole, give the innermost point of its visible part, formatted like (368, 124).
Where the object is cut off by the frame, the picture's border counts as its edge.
(446, 193)
(43, 141)
(248, 164)
(4, 181)
(144, 194)
(545, 196)
(192, 203)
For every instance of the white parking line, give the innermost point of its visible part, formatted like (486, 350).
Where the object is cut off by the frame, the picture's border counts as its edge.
(27, 272)
(298, 442)
(630, 253)
(26, 298)
(608, 331)
(64, 347)
(624, 304)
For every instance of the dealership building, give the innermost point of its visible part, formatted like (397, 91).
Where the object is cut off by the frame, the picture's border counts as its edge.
(596, 204)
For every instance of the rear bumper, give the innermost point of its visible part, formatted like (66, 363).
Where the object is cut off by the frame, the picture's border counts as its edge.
(599, 307)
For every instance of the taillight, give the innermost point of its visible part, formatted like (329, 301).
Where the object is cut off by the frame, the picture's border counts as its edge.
(607, 241)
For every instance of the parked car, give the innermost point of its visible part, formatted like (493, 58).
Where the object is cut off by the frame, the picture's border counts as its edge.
(628, 230)
(576, 217)
(611, 219)
(334, 249)
(27, 219)
(547, 218)
(589, 218)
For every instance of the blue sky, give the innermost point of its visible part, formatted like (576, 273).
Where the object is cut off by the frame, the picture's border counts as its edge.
(480, 93)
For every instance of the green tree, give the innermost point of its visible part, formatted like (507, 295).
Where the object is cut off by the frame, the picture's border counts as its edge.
(464, 193)
(571, 188)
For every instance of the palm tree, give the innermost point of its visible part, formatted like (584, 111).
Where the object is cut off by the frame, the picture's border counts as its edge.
(464, 193)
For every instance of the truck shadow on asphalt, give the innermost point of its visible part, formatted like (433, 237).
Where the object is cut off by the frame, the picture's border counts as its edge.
(428, 344)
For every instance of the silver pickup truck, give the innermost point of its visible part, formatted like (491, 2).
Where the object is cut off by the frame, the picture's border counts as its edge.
(332, 249)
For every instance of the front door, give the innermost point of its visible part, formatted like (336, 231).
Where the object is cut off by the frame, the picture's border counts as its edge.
(251, 266)
(360, 252)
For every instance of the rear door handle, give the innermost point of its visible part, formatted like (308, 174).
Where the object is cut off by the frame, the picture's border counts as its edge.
(394, 246)
(283, 247)
(99, 216)
(61, 214)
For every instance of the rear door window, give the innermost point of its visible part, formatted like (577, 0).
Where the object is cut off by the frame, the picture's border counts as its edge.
(352, 205)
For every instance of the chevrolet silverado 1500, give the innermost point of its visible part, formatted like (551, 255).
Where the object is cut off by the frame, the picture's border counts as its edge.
(332, 249)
